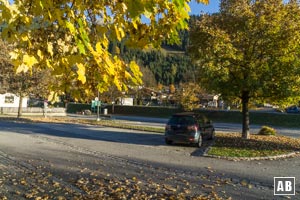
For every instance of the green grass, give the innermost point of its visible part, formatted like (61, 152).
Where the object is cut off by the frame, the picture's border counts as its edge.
(232, 145)
(103, 122)
(120, 124)
(246, 152)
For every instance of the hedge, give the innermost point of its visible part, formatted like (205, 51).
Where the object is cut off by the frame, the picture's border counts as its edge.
(150, 111)
(259, 118)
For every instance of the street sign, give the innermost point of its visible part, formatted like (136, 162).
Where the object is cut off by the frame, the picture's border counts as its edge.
(95, 104)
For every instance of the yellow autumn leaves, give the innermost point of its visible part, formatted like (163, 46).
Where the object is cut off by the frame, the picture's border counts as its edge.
(72, 35)
(24, 63)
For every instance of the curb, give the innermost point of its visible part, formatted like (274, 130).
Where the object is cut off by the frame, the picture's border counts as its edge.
(282, 156)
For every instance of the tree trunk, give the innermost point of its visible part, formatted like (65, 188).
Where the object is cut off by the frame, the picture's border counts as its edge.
(245, 111)
(20, 105)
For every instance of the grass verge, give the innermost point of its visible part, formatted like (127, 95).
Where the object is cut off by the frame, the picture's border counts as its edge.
(102, 122)
(121, 124)
(232, 145)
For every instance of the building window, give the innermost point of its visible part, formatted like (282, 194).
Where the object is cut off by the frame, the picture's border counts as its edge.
(9, 99)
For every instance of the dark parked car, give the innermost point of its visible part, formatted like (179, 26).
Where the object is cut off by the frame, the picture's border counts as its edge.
(292, 109)
(188, 128)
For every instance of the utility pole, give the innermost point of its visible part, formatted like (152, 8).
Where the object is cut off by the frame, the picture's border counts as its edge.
(98, 110)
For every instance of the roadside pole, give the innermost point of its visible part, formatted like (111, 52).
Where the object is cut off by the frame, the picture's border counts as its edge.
(45, 108)
(98, 110)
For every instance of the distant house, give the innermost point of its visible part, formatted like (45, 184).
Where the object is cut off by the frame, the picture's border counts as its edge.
(9, 100)
(209, 100)
(126, 101)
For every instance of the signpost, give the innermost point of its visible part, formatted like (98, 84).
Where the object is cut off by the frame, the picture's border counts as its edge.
(98, 103)
(45, 108)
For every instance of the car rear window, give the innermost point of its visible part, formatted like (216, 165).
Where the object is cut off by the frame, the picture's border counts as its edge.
(183, 120)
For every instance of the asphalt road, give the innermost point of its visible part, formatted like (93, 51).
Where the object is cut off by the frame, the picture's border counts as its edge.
(62, 154)
(221, 127)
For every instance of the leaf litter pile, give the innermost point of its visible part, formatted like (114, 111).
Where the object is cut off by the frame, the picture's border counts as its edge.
(19, 182)
(232, 145)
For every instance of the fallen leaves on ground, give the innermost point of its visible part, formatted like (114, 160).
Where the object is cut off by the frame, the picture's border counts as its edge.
(233, 145)
(38, 185)
(134, 189)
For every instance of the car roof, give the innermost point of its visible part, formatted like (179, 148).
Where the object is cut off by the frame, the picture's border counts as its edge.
(187, 114)
(184, 113)
(192, 114)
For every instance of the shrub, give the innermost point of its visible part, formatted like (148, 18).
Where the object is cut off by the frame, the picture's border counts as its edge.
(77, 107)
(266, 130)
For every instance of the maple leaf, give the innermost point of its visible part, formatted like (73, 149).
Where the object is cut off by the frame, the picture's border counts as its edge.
(81, 72)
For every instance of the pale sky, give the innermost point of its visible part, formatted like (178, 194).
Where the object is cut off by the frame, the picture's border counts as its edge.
(212, 7)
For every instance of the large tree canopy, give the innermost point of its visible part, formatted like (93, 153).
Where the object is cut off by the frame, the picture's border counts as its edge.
(75, 35)
(24, 83)
(249, 50)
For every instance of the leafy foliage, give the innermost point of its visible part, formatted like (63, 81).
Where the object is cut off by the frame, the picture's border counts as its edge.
(74, 36)
(167, 68)
(34, 83)
(188, 95)
(265, 130)
(249, 50)
(5, 64)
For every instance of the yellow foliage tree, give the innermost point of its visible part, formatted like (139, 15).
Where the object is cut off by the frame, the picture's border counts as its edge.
(172, 88)
(188, 96)
(75, 35)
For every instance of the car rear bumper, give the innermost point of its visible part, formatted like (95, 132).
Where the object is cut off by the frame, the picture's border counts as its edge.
(181, 139)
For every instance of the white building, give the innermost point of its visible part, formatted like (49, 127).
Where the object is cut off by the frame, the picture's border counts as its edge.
(9, 100)
(209, 100)
(128, 101)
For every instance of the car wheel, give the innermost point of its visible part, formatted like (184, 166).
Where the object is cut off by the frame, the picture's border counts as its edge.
(168, 141)
(199, 144)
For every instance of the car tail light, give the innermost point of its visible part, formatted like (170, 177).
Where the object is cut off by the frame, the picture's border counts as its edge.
(192, 128)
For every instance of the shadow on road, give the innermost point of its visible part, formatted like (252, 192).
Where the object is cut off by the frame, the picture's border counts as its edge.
(100, 133)
(78, 131)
